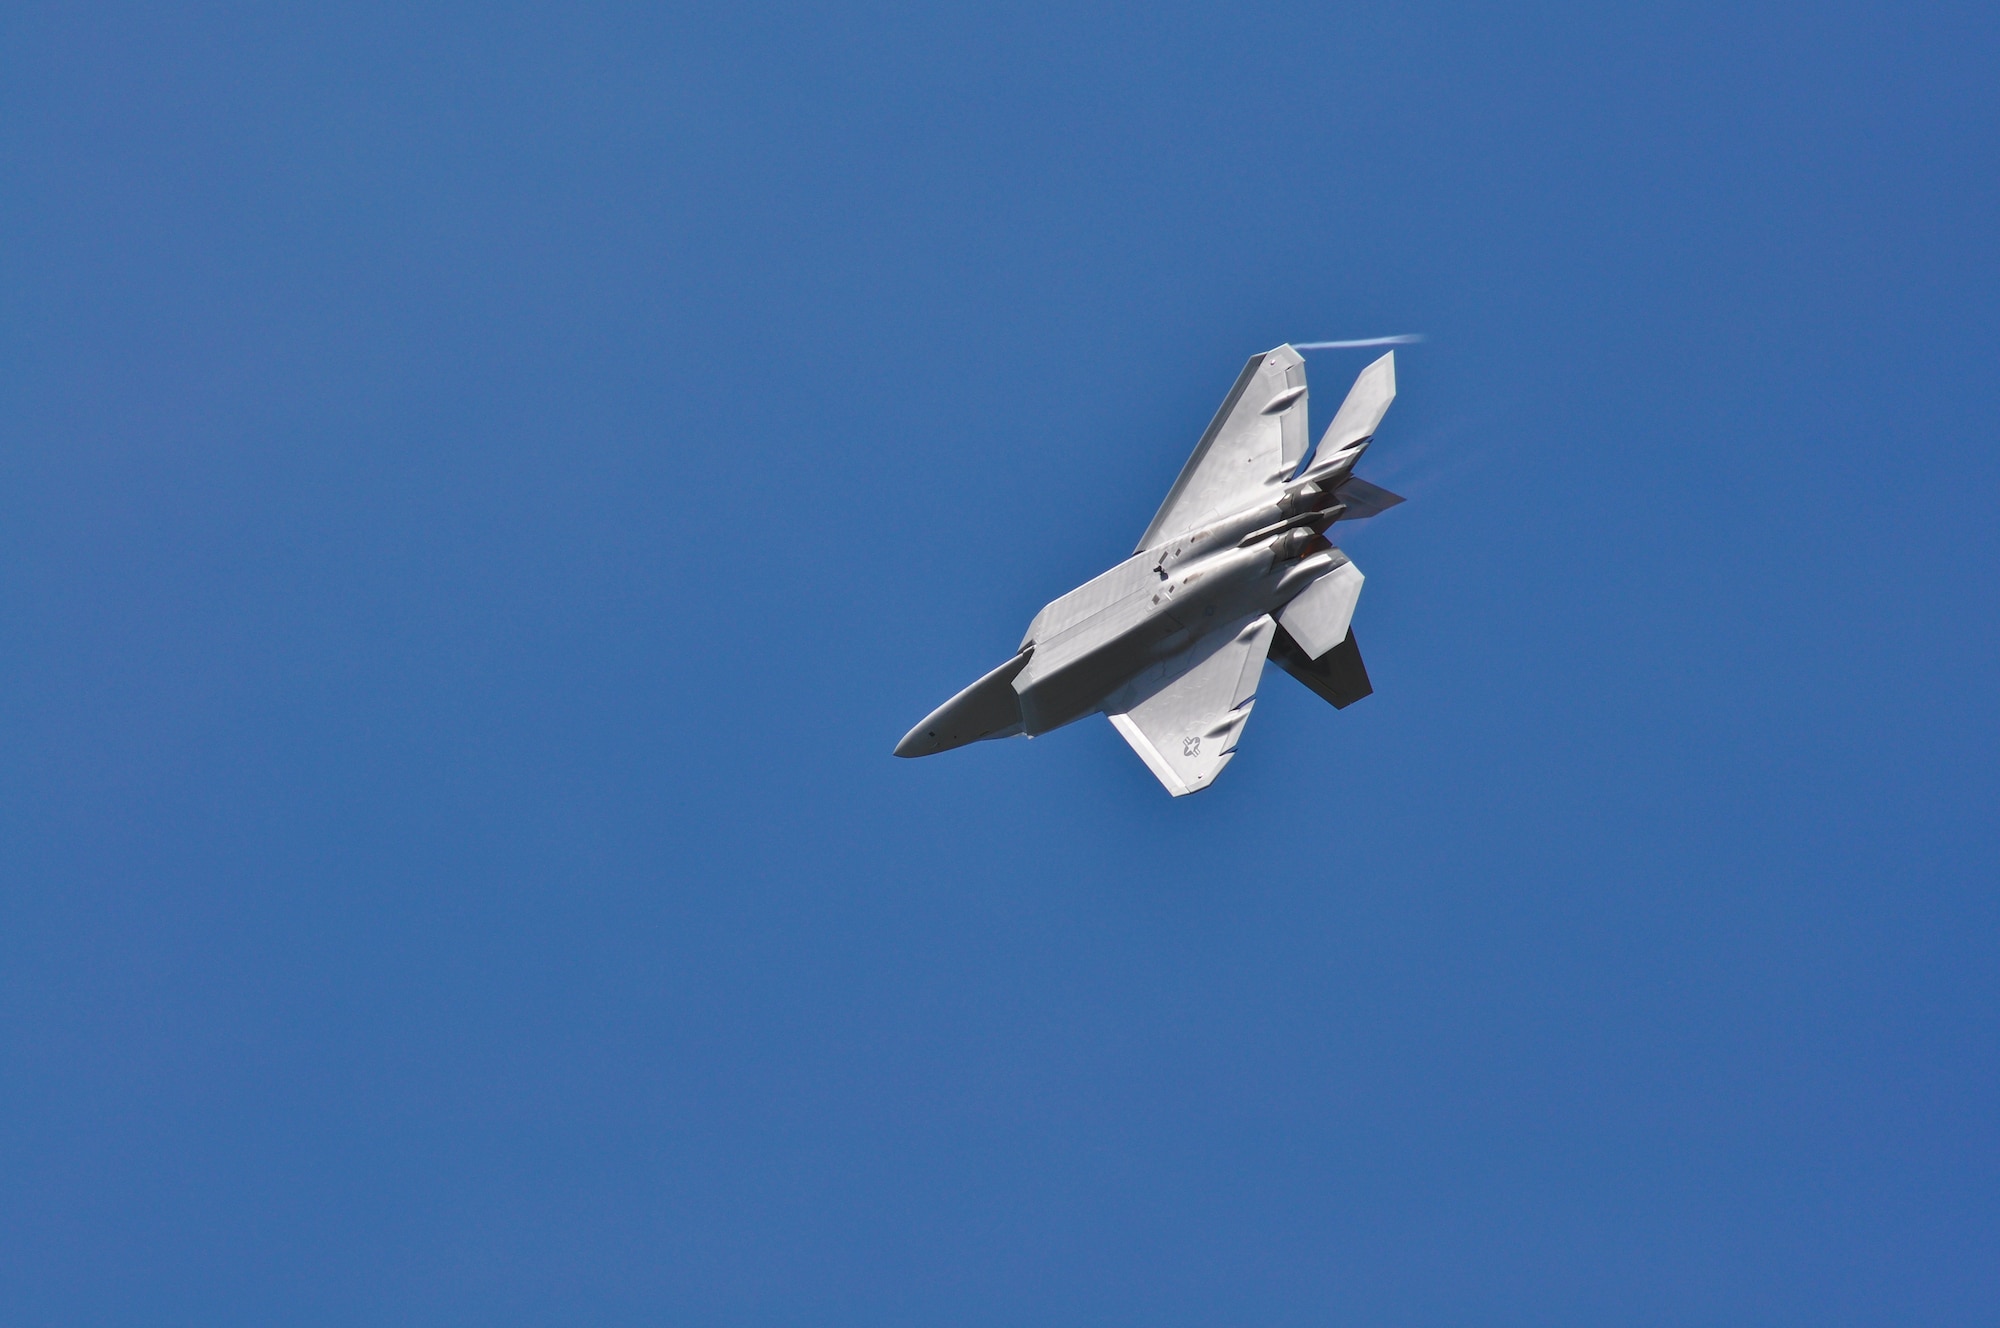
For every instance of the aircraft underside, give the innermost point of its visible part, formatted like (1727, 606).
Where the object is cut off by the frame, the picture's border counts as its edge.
(1235, 570)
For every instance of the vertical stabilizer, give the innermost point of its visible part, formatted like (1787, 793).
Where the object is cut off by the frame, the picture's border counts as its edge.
(1356, 421)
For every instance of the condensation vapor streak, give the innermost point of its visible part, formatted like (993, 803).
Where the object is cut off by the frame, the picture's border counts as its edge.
(1408, 339)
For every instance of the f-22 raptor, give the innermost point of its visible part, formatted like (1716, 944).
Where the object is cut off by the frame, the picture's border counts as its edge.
(1236, 567)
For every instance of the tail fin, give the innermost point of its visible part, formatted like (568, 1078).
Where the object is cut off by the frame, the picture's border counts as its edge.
(1338, 677)
(1356, 421)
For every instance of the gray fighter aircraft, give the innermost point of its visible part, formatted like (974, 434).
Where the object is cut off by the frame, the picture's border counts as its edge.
(1169, 644)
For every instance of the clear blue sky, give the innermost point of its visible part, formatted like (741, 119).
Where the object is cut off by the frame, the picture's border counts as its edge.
(482, 490)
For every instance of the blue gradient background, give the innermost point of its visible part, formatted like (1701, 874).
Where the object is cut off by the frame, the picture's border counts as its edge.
(483, 488)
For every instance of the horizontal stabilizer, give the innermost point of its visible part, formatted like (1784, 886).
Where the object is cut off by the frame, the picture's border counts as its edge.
(1364, 500)
(1318, 616)
(1338, 676)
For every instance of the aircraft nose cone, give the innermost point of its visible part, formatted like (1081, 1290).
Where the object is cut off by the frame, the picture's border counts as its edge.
(917, 742)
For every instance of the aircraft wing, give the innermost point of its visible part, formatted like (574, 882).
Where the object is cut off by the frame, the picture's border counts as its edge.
(1184, 715)
(1255, 441)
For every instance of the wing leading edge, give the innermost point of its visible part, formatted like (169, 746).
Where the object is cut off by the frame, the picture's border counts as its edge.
(1255, 441)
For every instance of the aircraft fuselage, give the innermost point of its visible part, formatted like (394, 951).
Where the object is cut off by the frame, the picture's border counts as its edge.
(1070, 675)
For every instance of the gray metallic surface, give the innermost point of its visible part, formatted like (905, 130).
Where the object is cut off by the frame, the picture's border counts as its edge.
(1171, 643)
(988, 708)
(1354, 424)
(1318, 616)
(1184, 715)
(1364, 500)
(1338, 676)
(1246, 448)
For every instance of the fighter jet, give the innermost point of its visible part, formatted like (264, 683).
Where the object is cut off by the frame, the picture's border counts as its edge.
(1170, 643)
